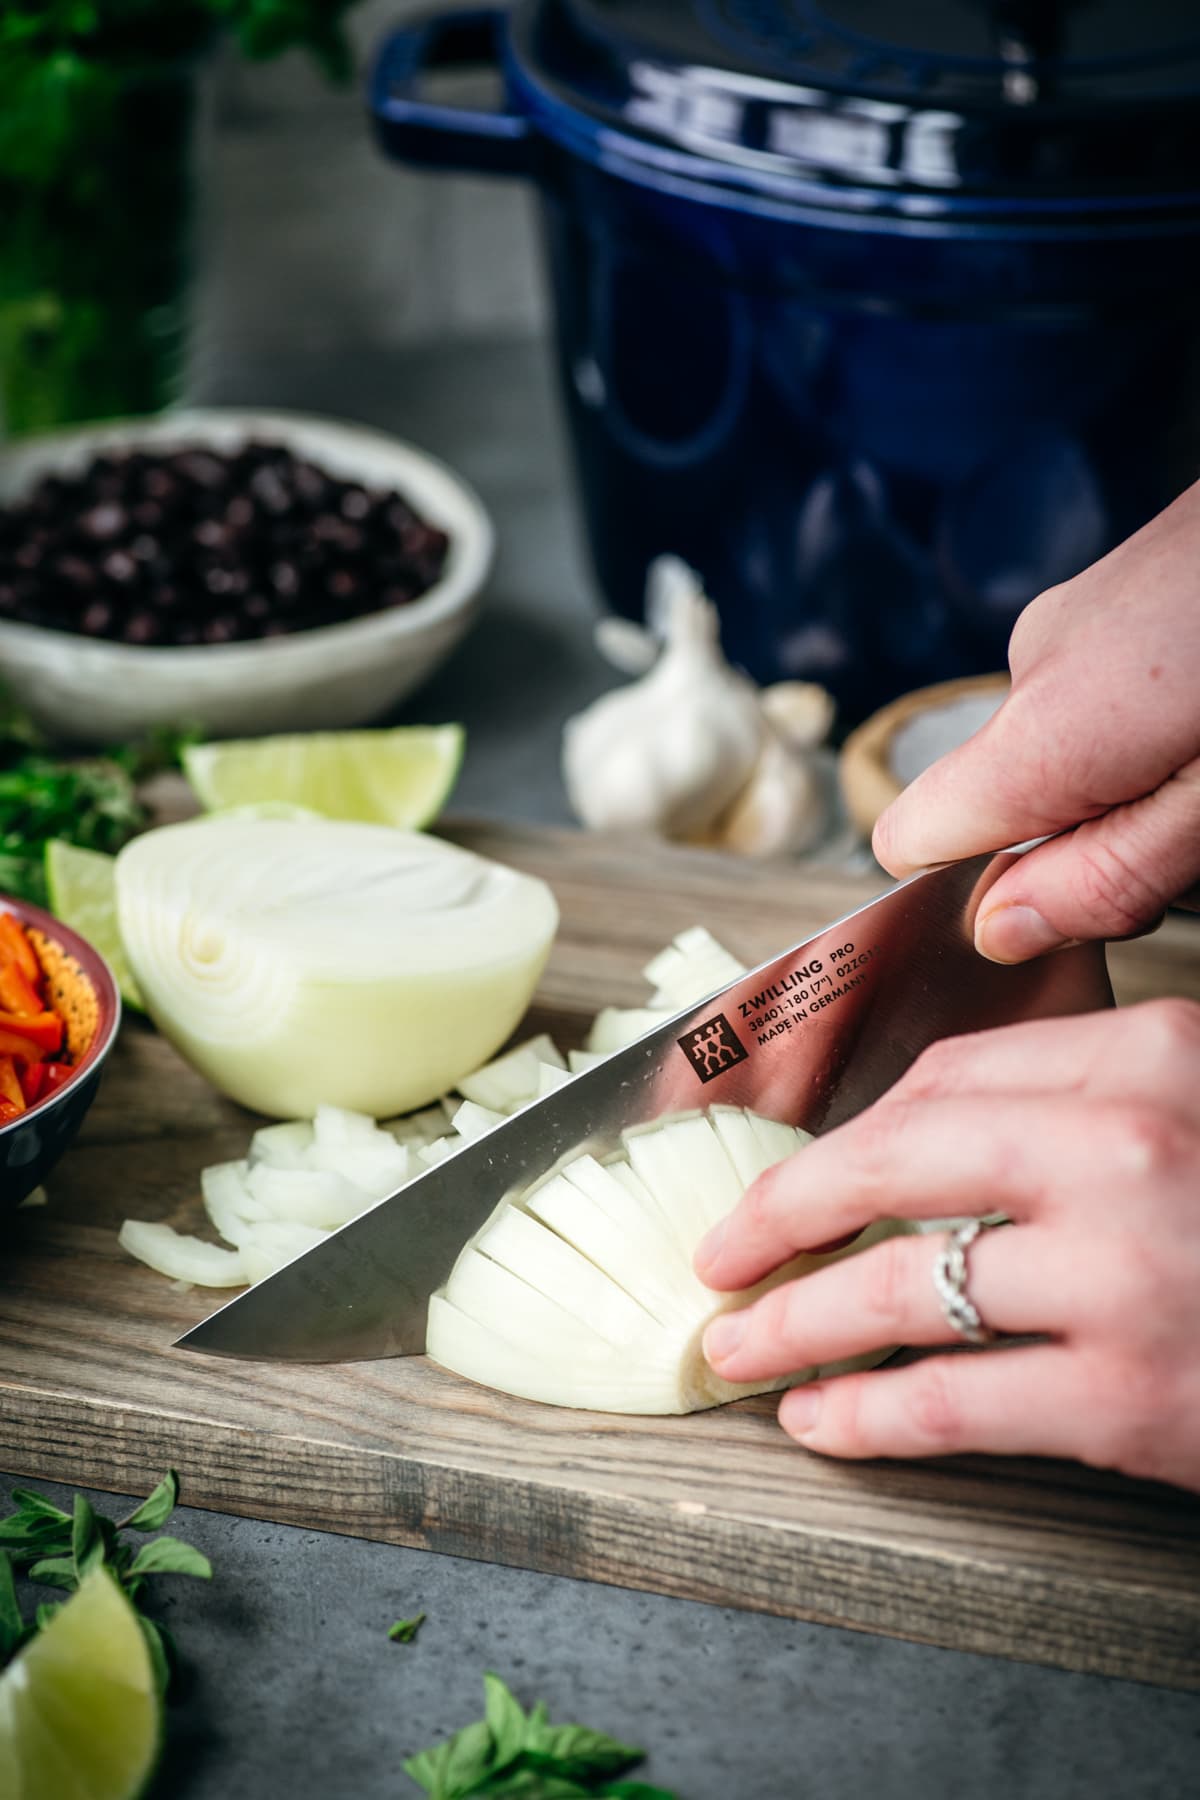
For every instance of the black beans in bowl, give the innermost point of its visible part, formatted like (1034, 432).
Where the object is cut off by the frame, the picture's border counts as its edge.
(196, 546)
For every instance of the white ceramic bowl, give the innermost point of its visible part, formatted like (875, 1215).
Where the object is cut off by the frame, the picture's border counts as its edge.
(92, 691)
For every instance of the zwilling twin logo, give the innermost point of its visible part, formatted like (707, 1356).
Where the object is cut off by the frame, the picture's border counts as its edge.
(713, 1047)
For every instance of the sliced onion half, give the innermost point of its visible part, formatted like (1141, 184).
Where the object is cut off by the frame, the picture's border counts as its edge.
(581, 1292)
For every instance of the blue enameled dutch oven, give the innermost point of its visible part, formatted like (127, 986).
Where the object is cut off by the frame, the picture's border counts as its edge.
(884, 317)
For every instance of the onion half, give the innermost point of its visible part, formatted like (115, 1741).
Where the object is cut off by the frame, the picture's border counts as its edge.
(296, 962)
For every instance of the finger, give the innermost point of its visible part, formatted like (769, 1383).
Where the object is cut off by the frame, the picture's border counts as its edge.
(1151, 1050)
(1021, 1279)
(1110, 878)
(1033, 1400)
(922, 1159)
(987, 794)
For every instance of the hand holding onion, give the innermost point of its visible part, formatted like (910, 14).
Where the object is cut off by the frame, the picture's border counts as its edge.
(1085, 1132)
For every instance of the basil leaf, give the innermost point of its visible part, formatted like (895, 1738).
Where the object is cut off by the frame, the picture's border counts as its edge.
(532, 1784)
(506, 1720)
(55, 1571)
(422, 1768)
(158, 1654)
(154, 1511)
(87, 1545)
(37, 1504)
(46, 1612)
(170, 1556)
(452, 1770)
(405, 1630)
(469, 1759)
(12, 1625)
(633, 1790)
(33, 1528)
(576, 1751)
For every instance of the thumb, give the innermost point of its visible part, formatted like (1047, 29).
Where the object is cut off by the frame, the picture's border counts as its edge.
(1110, 878)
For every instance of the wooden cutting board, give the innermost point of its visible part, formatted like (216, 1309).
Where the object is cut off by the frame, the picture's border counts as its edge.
(1044, 1562)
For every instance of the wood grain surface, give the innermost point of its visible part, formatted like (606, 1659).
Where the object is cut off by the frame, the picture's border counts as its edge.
(1044, 1562)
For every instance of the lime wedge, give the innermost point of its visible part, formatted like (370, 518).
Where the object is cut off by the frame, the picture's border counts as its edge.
(80, 886)
(400, 777)
(79, 1710)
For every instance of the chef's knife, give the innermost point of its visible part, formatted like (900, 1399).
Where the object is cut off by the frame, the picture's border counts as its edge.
(812, 1037)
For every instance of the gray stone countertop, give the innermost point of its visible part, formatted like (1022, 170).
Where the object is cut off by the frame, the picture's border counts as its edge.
(292, 1690)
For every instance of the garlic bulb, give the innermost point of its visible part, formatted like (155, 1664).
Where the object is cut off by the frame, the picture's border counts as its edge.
(581, 1292)
(668, 753)
(780, 811)
(800, 712)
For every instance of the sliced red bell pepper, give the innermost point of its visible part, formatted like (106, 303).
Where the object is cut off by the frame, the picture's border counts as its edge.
(16, 948)
(33, 1082)
(8, 1112)
(54, 1076)
(10, 1087)
(43, 1029)
(17, 994)
(22, 1049)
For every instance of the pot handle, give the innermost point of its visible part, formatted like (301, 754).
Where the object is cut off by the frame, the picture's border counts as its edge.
(416, 130)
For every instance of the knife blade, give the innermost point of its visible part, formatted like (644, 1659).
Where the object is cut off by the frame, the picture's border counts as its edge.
(812, 1038)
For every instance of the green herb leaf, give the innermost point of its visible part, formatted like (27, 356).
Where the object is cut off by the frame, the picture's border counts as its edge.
(56, 1571)
(506, 1720)
(453, 1770)
(633, 1790)
(405, 1630)
(34, 1528)
(58, 1548)
(170, 1556)
(46, 1611)
(36, 1505)
(159, 1660)
(576, 1751)
(533, 1784)
(510, 1756)
(12, 1625)
(87, 1546)
(154, 1512)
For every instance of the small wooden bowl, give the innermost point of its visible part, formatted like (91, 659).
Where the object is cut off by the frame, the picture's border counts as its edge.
(869, 782)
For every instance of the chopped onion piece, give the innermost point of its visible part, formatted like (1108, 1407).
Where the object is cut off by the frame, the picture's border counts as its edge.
(692, 966)
(551, 1079)
(307, 1196)
(182, 1258)
(471, 1121)
(276, 1243)
(284, 1146)
(512, 1080)
(616, 1026)
(418, 1128)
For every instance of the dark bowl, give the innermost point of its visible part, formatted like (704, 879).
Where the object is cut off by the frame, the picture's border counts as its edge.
(31, 1145)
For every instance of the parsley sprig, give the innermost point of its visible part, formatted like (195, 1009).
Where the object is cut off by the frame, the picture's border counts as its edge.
(92, 802)
(58, 1549)
(510, 1754)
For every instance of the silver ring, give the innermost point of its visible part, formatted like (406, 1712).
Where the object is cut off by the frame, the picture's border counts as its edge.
(950, 1280)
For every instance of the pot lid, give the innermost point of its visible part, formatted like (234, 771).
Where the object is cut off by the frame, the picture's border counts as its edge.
(1009, 104)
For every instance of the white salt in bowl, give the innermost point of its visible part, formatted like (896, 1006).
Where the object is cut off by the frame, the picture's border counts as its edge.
(893, 746)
